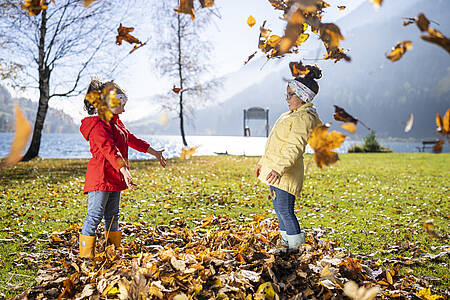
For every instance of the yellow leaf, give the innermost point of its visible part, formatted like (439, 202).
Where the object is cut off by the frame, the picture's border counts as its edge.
(266, 289)
(251, 21)
(274, 40)
(350, 127)
(187, 152)
(302, 38)
(21, 136)
(399, 50)
(389, 277)
(112, 291)
(376, 3)
(154, 291)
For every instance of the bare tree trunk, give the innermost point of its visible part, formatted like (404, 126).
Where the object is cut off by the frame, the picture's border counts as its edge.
(44, 93)
(180, 75)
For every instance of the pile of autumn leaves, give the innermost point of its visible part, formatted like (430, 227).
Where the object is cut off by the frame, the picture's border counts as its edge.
(225, 261)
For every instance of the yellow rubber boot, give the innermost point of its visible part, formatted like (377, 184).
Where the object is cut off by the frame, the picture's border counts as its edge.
(87, 246)
(114, 237)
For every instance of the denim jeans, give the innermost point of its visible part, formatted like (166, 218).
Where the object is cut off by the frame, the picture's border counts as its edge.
(283, 205)
(102, 204)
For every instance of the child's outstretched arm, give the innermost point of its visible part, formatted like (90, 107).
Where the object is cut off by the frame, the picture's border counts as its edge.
(158, 155)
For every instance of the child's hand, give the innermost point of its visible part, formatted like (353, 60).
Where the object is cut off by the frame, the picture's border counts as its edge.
(128, 178)
(258, 170)
(273, 177)
(158, 155)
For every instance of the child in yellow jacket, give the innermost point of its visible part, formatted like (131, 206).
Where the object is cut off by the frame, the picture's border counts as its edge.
(281, 166)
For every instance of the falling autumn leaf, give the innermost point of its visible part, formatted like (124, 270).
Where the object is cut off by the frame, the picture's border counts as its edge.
(377, 3)
(278, 4)
(297, 68)
(86, 3)
(250, 57)
(399, 50)
(410, 123)
(437, 148)
(436, 37)
(187, 152)
(206, 3)
(443, 124)
(176, 90)
(323, 142)
(350, 127)
(186, 7)
(21, 136)
(124, 35)
(251, 21)
(34, 7)
(341, 7)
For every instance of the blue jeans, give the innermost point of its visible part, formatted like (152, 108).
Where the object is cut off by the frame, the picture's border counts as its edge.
(284, 208)
(102, 204)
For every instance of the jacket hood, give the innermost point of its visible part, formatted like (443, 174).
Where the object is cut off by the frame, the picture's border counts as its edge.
(87, 124)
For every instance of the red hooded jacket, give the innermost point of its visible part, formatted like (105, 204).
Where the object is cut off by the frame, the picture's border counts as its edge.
(109, 147)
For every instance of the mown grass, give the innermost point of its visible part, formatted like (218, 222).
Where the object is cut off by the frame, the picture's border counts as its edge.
(370, 203)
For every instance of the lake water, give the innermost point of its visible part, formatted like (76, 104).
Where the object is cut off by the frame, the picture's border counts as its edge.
(75, 146)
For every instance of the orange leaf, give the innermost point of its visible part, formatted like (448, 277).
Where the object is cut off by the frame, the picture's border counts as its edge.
(241, 259)
(399, 50)
(341, 7)
(377, 3)
(323, 142)
(22, 134)
(350, 127)
(251, 21)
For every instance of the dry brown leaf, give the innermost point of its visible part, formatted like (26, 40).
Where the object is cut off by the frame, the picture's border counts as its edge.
(206, 3)
(399, 50)
(186, 7)
(437, 148)
(21, 136)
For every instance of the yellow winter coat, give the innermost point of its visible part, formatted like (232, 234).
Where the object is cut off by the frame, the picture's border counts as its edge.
(285, 147)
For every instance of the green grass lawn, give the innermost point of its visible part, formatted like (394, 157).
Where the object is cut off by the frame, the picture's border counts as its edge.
(376, 205)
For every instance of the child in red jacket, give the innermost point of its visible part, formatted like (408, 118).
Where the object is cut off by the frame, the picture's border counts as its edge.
(107, 172)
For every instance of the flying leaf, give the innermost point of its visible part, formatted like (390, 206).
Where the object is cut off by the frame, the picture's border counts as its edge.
(186, 7)
(410, 123)
(187, 152)
(399, 50)
(251, 21)
(341, 115)
(21, 136)
(443, 124)
(422, 22)
(293, 29)
(297, 68)
(377, 3)
(437, 148)
(278, 4)
(86, 3)
(436, 37)
(124, 35)
(323, 142)
(34, 7)
(350, 127)
(341, 7)
(249, 58)
(206, 3)
(176, 90)
(330, 34)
